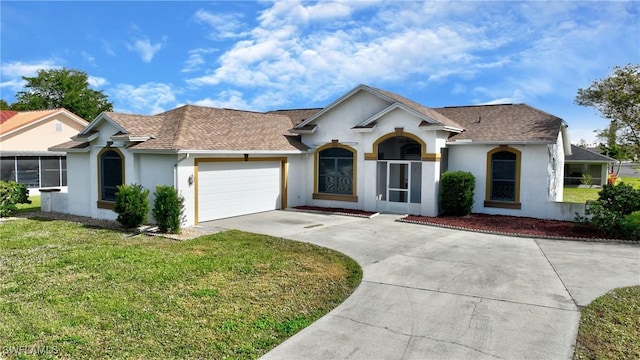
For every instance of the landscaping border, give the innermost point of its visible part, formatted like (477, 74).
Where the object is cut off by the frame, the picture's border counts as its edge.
(548, 237)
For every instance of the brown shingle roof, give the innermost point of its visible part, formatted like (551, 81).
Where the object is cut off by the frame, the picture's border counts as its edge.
(296, 115)
(201, 128)
(503, 123)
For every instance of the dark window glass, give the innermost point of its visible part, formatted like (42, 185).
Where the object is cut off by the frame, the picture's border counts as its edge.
(50, 171)
(63, 164)
(335, 171)
(503, 176)
(29, 171)
(110, 174)
(8, 168)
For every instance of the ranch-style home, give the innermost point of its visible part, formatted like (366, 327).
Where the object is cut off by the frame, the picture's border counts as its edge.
(370, 149)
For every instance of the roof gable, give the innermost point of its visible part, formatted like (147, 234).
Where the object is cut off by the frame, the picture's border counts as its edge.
(395, 101)
(14, 121)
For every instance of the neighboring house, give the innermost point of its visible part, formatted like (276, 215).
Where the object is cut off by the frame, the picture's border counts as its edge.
(370, 149)
(24, 141)
(586, 162)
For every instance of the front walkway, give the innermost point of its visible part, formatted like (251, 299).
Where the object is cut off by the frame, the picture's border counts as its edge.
(433, 293)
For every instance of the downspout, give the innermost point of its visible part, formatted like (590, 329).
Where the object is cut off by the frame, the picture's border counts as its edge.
(175, 171)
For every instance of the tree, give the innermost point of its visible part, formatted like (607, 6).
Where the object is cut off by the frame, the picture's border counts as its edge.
(4, 105)
(62, 88)
(617, 98)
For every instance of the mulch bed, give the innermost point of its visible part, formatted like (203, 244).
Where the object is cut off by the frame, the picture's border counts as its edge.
(338, 211)
(513, 225)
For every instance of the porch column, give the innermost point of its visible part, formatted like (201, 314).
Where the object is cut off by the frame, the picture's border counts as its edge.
(430, 187)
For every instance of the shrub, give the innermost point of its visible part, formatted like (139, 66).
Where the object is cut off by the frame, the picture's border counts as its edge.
(631, 226)
(456, 192)
(168, 209)
(616, 211)
(12, 193)
(587, 179)
(132, 205)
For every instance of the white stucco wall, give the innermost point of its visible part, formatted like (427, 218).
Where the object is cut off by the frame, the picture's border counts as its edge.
(336, 125)
(536, 197)
(79, 184)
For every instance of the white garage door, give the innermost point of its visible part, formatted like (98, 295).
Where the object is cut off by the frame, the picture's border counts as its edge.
(228, 189)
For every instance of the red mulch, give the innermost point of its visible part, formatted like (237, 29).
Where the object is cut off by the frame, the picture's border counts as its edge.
(513, 225)
(352, 212)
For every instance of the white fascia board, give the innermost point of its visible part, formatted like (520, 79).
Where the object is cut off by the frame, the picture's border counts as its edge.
(506, 142)
(363, 130)
(130, 138)
(443, 128)
(98, 119)
(88, 138)
(304, 132)
(215, 152)
(83, 150)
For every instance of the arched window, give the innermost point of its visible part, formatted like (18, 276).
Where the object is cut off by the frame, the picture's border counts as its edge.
(503, 178)
(111, 174)
(335, 173)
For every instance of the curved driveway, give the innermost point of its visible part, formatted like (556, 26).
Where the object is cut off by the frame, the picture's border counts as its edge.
(431, 293)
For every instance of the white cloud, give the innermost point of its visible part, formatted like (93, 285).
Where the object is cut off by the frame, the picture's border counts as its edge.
(12, 72)
(230, 99)
(96, 81)
(298, 52)
(148, 98)
(196, 59)
(224, 25)
(145, 49)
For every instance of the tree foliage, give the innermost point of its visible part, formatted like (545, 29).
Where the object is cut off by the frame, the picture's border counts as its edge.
(62, 88)
(617, 98)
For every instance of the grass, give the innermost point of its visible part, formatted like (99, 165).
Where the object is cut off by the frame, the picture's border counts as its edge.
(609, 326)
(34, 206)
(578, 195)
(93, 293)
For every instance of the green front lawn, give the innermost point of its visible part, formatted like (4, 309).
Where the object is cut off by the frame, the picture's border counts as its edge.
(610, 326)
(580, 195)
(81, 292)
(34, 206)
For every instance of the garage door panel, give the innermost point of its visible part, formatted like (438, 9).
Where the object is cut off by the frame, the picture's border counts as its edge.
(228, 189)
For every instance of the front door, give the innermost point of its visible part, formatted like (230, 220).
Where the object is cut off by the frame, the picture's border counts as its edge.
(399, 186)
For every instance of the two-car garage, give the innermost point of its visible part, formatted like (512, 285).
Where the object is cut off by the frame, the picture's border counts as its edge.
(233, 187)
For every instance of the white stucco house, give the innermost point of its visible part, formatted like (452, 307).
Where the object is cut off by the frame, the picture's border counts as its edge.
(369, 149)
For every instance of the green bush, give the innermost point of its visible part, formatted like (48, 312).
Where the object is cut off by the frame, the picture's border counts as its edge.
(168, 209)
(456, 192)
(616, 211)
(12, 193)
(132, 205)
(631, 226)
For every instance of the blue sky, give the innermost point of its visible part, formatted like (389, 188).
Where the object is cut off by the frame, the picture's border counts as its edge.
(154, 56)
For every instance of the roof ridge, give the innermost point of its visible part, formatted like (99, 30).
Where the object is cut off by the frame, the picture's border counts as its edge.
(480, 105)
(181, 125)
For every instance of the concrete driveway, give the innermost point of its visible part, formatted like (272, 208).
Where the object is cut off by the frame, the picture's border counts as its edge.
(431, 293)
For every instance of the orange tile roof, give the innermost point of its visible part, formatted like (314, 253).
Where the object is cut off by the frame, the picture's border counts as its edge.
(6, 114)
(24, 118)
